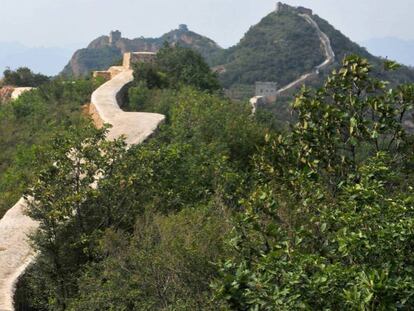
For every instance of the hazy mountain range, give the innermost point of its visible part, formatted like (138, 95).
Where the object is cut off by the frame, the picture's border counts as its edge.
(47, 60)
(51, 60)
(392, 48)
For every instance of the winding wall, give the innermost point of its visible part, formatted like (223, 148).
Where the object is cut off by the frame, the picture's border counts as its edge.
(258, 101)
(15, 250)
(329, 54)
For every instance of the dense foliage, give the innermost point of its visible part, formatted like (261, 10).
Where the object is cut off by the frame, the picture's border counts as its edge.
(329, 224)
(23, 76)
(280, 48)
(28, 123)
(148, 236)
(175, 67)
(220, 211)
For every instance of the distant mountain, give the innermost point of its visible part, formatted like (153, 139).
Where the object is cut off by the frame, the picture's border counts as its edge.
(284, 46)
(48, 61)
(105, 51)
(396, 49)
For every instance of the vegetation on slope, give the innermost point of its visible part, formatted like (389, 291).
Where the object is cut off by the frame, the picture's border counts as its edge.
(176, 67)
(87, 60)
(280, 48)
(219, 211)
(26, 126)
(148, 236)
(23, 77)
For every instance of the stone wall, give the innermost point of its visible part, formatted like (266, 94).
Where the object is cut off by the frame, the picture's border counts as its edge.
(303, 10)
(257, 102)
(114, 37)
(106, 75)
(137, 57)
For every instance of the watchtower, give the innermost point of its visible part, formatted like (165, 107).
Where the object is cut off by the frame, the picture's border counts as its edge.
(304, 10)
(278, 6)
(114, 37)
(266, 88)
(183, 27)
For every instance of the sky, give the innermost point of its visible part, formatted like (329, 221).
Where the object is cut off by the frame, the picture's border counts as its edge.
(64, 23)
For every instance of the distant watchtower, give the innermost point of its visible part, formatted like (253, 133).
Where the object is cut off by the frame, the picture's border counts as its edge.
(281, 7)
(114, 37)
(278, 6)
(303, 10)
(266, 88)
(183, 27)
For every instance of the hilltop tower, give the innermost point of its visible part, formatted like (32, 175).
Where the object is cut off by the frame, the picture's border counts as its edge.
(183, 27)
(114, 37)
(278, 6)
(282, 7)
(304, 10)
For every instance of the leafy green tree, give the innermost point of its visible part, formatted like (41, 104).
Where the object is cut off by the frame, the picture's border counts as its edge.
(23, 76)
(175, 67)
(62, 201)
(26, 126)
(329, 223)
(166, 265)
(353, 116)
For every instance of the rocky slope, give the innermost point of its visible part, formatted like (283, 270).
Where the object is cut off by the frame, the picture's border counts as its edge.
(101, 54)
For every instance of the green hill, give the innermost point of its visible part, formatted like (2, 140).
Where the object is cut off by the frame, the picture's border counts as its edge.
(282, 47)
(279, 48)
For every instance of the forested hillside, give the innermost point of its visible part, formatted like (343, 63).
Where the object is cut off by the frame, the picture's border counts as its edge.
(27, 124)
(222, 210)
(280, 48)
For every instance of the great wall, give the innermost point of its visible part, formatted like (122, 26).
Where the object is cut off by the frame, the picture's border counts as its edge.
(16, 252)
(272, 94)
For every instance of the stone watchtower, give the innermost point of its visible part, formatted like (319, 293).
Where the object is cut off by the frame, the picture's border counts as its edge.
(266, 88)
(183, 27)
(114, 37)
(281, 7)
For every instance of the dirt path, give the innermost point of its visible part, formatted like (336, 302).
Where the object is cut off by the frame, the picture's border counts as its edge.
(15, 250)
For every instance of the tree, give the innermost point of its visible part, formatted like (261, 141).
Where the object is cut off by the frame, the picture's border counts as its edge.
(63, 201)
(352, 117)
(23, 76)
(329, 223)
(175, 67)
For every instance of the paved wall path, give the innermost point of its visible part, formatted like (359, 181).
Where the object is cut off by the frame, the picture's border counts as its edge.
(19, 91)
(329, 54)
(15, 250)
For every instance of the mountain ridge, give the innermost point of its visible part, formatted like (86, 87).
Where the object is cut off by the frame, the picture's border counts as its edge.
(280, 48)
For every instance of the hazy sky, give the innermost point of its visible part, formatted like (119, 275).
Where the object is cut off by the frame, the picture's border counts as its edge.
(68, 22)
